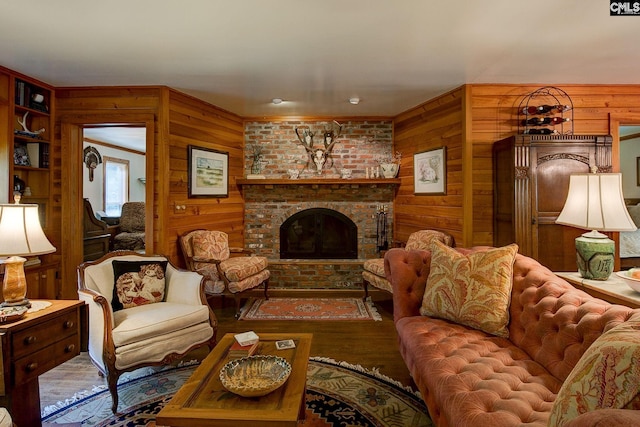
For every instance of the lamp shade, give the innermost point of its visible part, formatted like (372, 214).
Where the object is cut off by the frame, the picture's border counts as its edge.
(595, 202)
(20, 231)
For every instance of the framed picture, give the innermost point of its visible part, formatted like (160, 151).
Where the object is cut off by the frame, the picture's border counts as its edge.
(208, 172)
(430, 172)
(638, 171)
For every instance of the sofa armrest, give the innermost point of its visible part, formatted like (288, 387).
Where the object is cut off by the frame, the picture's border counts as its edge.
(606, 418)
(407, 271)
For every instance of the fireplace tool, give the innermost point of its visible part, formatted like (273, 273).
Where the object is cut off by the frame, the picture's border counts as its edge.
(381, 221)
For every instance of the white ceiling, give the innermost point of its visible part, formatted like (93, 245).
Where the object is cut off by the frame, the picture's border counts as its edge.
(133, 138)
(393, 55)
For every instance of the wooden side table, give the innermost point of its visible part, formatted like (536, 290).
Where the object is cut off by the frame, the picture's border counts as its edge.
(31, 346)
(613, 290)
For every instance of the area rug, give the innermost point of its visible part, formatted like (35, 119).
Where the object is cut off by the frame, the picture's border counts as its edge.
(338, 394)
(310, 309)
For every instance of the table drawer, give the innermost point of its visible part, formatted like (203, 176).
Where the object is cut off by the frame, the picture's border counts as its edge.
(32, 365)
(44, 334)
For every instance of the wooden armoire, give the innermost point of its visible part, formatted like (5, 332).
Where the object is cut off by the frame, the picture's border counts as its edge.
(531, 182)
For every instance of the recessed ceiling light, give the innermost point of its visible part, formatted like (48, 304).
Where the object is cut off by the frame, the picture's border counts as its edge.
(277, 101)
(355, 100)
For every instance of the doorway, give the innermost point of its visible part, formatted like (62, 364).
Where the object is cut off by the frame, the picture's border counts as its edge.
(114, 173)
(73, 170)
(629, 136)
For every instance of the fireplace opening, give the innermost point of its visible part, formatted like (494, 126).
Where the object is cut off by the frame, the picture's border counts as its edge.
(318, 233)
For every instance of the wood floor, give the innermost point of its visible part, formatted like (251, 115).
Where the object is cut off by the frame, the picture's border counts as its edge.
(367, 343)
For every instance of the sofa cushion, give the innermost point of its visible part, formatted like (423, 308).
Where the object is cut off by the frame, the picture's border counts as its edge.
(237, 269)
(472, 289)
(606, 376)
(375, 266)
(470, 378)
(145, 322)
(137, 283)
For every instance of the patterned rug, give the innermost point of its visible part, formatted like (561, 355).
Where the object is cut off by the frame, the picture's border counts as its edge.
(310, 309)
(338, 394)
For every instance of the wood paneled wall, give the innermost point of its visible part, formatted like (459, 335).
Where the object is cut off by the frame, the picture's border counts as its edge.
(597, 111)
(468, 120)
(178, 120)
(434, 124)
(193, 122)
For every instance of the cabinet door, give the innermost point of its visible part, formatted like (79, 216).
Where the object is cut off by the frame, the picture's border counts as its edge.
(42, 282)
(553, 244)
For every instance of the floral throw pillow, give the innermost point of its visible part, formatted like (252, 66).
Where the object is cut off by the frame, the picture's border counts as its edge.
(606, 376)
(211, 245)
(137, 283)
(473, 290)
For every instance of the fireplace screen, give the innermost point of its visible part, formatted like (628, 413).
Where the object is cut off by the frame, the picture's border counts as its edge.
(318, 233)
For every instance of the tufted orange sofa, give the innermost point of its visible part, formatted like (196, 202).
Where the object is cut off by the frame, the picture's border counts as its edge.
(470, 378)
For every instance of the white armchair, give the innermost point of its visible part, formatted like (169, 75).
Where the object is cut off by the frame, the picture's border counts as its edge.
(143, 332)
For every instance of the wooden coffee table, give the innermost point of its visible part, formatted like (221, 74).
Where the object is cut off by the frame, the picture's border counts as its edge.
(203, 401)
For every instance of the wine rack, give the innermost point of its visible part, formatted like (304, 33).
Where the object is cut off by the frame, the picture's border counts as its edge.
(546, 111)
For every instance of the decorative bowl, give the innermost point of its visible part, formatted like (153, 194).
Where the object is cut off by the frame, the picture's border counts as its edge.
(10, 314)
(255, 375)
(633, 282)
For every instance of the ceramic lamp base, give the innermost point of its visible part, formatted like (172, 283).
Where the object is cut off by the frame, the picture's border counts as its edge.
(14, 287)
(595, 257)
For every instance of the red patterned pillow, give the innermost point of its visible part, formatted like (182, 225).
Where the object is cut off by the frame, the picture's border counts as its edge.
(137, 283)
(473, 290)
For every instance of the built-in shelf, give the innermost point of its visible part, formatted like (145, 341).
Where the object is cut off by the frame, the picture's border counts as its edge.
(319, 181)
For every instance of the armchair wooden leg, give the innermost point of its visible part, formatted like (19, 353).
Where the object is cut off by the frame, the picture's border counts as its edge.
(266, 289)
(365, 286)
(112, 381)
(236, 298)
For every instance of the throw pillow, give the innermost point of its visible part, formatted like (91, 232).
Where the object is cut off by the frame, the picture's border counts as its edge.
(211, 245)
(473, 290)
(137, 283)
(606, 376)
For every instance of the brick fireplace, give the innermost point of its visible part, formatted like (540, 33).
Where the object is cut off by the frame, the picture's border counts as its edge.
(268, 206)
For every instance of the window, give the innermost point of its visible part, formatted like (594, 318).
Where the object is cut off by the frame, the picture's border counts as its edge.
(116, 185)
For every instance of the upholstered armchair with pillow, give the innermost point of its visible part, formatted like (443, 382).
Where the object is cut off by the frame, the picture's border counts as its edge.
(132, 227)
(143, 311)
(227, 270)
(374, 274)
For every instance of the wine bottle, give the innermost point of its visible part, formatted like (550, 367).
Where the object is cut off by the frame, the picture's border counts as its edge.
(529, 110)
(545, 109)
(557, 120)
(542, 121)
(534, 121)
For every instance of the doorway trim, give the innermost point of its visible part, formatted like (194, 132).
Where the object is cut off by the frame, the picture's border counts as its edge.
(71, 132)
(615, 121)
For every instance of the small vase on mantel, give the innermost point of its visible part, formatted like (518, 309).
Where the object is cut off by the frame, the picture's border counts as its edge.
(389, 170)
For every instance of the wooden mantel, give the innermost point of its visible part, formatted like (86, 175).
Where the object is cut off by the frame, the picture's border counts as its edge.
(319, 181)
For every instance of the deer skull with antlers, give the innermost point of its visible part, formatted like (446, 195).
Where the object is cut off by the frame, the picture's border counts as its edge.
(319, 155)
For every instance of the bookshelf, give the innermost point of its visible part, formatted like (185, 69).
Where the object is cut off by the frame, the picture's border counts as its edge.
(26, 136)
(33, 127)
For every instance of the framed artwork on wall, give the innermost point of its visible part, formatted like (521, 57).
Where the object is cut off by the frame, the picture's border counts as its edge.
(208, 172)
(430, 171)
(638, 171)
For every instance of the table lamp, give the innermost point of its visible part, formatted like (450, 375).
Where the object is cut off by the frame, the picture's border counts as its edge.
(20, 234)
(595, 203)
